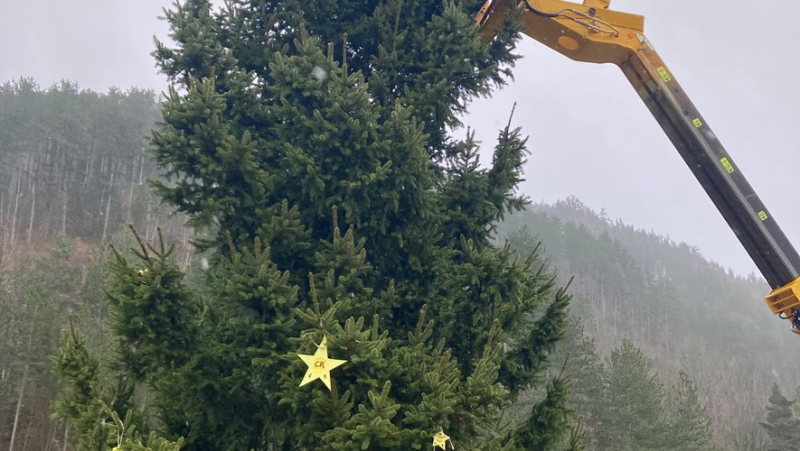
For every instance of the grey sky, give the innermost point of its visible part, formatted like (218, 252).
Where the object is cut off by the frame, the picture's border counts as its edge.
(591, 136)
(98, 43)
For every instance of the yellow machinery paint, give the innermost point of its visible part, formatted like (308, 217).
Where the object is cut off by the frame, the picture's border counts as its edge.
(782, 301)
(590, 32)
(595, 34)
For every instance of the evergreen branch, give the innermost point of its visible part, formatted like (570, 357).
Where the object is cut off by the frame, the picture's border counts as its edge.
(144, 254)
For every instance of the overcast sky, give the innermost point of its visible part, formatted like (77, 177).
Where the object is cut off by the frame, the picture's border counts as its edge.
(590, 134)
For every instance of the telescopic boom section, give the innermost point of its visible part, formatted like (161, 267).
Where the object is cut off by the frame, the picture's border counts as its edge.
(590, 32)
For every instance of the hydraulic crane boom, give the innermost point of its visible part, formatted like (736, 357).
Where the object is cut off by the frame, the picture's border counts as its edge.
(590, 32)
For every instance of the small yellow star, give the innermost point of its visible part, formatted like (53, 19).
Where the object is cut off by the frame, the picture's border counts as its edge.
(440, 440)
(319, 365)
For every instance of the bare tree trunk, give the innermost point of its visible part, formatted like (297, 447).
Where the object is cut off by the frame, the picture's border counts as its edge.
(27, 436)
(141, 167)
(66, 437)
(14, 221)
(24, 381)
(666, 328)
(16, 208)
(147, 219)
(3, 234)
(88, 173)
(19, 408)
(51, 437)
(12, 183)
(154, 229)
(33, 211)
(603, 307)
(108, 209)
(64, 212)
(133, 185)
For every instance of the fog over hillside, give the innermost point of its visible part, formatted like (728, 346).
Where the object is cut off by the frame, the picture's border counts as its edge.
(590, 134)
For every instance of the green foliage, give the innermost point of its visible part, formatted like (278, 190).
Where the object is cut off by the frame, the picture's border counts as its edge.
(127, 438)
(339, 209)
(689, 423)
(781, 424)
(547, 427)
(62, 247)
(663, 291)
(585, 369)
(153, 311)
(466, 181)
(623, 404)
(33, 293)
(689, 314)
(79, 400)
(632, 414)
(88, 403)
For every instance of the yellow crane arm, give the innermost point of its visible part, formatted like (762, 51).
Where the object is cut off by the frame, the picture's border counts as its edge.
(590, 32)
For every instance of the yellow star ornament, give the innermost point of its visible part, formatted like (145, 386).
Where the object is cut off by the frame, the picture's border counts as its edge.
(319, 365)
(440, 440)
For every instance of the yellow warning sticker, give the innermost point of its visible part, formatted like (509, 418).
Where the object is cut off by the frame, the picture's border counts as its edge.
(763, 215)
(697, 122)
(727, 165)
(664, 74)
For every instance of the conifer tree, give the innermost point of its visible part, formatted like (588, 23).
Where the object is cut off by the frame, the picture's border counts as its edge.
(781, 424)
(689, 426)
(310, 141)
(544, 429)
(632, 414)
(33, 293)
(90, 410)
(79, 402)
(585, 369)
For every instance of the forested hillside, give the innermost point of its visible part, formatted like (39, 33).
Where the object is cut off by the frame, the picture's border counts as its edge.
(647, 312)
(688, 315)
(73, 171)
(354, 290)
(73, 162)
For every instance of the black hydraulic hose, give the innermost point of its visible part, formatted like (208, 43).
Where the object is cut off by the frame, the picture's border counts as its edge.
(539, 12)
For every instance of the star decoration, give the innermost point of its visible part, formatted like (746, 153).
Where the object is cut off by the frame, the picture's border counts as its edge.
(440, 440)
(319, 365)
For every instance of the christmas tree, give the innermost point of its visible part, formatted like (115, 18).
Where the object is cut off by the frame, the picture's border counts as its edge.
(356, 300)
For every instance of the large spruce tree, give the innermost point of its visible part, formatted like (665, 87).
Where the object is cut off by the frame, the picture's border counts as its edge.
(310, 141)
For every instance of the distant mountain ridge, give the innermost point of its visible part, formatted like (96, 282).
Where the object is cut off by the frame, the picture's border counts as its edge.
(686, 313)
